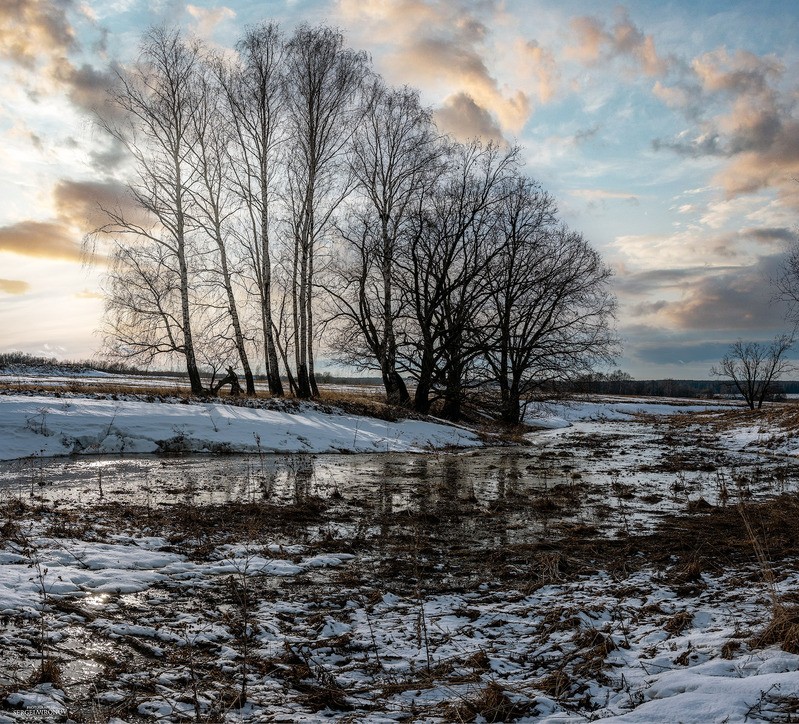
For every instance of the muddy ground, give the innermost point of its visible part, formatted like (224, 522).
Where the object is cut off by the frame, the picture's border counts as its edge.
(592, 565)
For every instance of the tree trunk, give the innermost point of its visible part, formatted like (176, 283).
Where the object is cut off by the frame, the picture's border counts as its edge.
(421, 401)
(453, 395)
(188, 340)
(309, 316)
(249, 381)
(298, 302)
(284, 356)
(396, 391)
(270, 355)
(234, 317)
(511, 404)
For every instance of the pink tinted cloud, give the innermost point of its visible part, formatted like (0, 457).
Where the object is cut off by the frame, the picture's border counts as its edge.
(38, 36)
(594, 43)
(450, 47)
(30, 29)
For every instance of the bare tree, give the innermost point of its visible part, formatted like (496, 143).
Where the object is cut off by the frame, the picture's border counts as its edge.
(395, 156)
(550, 302)
(752, 368)
(322, 81)
(156, 98)
(526, 216)
(443, 271)
(215, 203)
(252, 90)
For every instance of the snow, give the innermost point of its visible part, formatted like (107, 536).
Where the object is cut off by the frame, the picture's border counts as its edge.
(44, 426)
(553, 416)
(323, 601)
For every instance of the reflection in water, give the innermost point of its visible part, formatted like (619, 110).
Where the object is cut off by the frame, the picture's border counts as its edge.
(531, 489)
(96, 600)
(386, 484)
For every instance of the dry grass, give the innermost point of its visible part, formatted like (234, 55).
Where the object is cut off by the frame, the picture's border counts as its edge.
(783, 629)
(781, 415)
(365, 403)
(556, 685)
(491, 704)
(678, 623)
(48, 672)
(111, 389)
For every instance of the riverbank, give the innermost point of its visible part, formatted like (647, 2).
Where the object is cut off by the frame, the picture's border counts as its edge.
(47, 426)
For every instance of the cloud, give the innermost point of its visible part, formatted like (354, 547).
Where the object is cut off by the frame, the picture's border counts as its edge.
(657, 280)
(775, 166)
(206, 20)
(675, 96)
(537, 65)
(30, 28)
(740, 73)
(39, 37)
(79, 211)
(707, 247)
(594, 43)
(88, 294)
(680, 352)
(724, 212)
(596, 195)
(645, 309)
(736, 299)
(689, 248)
(744, 113)
(585, 134)
(80, 204)
(697, 147)
(14, 286)
(775, 235)
(110, 157)
(40, 239)
(464, 118)
(698, 299)
(431, 59)
(442, 46)
(86, 86)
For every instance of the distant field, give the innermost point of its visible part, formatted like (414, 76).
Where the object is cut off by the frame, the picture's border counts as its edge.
(116, 383)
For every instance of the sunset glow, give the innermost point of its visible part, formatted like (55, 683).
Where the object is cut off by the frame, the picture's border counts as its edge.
(668, 133)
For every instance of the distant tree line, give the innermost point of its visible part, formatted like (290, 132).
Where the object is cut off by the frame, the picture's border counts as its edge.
(285, 197)
(13, 360)
(621, 383)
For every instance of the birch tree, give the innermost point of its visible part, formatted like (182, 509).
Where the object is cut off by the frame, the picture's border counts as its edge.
(253, 91)
(216, 205)
(152, 312)
(322, 82)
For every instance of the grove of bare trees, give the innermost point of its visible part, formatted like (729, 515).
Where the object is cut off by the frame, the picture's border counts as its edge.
(285, 201)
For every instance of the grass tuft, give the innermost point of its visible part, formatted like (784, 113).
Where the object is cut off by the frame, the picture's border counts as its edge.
(782, 630)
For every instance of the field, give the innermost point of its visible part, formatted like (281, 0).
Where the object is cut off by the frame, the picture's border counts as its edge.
(631, 561)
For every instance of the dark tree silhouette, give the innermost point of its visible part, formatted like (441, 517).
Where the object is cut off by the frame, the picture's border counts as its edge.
(752, 368)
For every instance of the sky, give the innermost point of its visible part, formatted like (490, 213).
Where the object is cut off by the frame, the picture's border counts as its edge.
(668, 132)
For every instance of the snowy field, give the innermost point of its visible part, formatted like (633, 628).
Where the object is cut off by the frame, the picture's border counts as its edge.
(636, 562)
